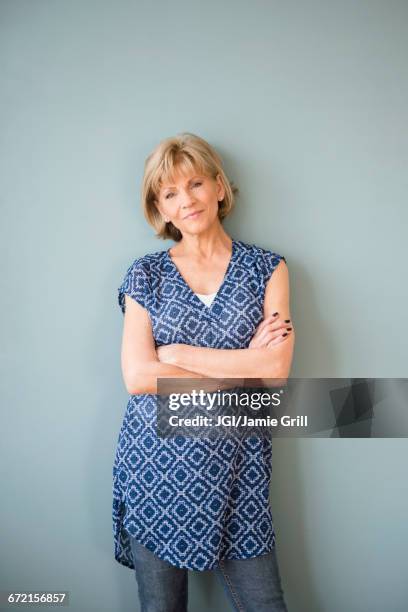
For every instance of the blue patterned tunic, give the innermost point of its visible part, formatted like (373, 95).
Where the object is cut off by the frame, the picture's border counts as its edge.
(193, 501)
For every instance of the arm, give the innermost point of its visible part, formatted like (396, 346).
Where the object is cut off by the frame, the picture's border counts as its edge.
(272, 361)
(140, 364)
(277, 299)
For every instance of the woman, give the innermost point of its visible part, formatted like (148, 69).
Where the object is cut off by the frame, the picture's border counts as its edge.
(208, 307)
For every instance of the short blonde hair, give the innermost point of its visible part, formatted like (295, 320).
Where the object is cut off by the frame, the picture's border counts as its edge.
(184, 152)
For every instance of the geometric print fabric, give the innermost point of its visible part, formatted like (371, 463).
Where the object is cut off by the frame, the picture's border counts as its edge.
(193, 501)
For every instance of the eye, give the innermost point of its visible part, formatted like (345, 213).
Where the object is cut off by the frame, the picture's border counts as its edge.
(168, 195)
(197, 183)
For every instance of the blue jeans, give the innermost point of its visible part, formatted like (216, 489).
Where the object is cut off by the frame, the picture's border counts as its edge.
(251, 585)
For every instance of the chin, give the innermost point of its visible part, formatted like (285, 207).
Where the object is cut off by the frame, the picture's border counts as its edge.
(203, 225)
(196, 227)
(201, 229)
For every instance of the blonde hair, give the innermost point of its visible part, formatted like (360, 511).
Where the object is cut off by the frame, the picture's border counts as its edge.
(185, 152)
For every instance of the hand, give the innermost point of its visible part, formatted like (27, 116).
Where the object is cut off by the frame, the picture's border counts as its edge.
(167, 353)
(270, 332)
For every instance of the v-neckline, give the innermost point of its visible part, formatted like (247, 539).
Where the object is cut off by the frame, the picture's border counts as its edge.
(220, 288)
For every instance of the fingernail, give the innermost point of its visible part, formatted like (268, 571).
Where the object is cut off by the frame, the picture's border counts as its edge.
(287, 320)
(275, 313)
(285, 334)
(288, 328)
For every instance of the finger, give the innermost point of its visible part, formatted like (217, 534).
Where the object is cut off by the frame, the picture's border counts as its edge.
(280, 324)
(266, 339)
(279, 339)
(262, 338)
(273, 327)
(266, 322)
(265, 325)
(272, 335)
(276, 323)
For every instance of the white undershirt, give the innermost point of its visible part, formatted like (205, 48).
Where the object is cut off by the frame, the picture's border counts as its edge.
(207, 298)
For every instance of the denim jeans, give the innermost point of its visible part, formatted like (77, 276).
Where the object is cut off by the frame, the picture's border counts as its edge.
(251, 585)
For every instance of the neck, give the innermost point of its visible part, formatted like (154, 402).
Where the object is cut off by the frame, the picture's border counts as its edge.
(203, 245)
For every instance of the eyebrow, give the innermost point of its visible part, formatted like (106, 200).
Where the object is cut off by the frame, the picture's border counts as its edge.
(189, 181)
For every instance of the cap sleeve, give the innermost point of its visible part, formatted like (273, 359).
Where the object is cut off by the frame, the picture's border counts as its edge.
(135, 284)
(270, 261)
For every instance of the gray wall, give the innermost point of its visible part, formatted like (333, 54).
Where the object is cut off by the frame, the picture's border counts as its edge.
(307, 104)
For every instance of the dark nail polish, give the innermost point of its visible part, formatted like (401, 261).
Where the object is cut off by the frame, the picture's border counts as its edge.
(275, 313)
(287, 320)
(285, 334)
(288, 328)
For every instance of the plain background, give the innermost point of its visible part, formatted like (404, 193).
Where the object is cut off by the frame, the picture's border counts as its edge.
(307, 104)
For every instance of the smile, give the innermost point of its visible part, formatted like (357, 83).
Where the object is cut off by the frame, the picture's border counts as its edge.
(194, 215)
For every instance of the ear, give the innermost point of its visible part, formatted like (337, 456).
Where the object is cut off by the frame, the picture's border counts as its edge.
(220, 188)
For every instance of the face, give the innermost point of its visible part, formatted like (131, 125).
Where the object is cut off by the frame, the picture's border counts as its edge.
(191, 202)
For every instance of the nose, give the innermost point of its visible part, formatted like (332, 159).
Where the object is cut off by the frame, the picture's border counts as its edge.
(186, 198)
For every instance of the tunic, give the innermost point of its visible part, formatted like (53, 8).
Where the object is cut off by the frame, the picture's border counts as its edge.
(193, 501)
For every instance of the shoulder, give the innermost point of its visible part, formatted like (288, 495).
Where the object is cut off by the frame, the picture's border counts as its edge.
(264, 259)
(139, 278)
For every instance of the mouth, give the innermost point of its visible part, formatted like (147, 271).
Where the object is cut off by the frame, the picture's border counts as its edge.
(194, 215)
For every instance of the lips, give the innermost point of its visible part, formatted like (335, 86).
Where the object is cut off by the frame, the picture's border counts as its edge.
(193, 215)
